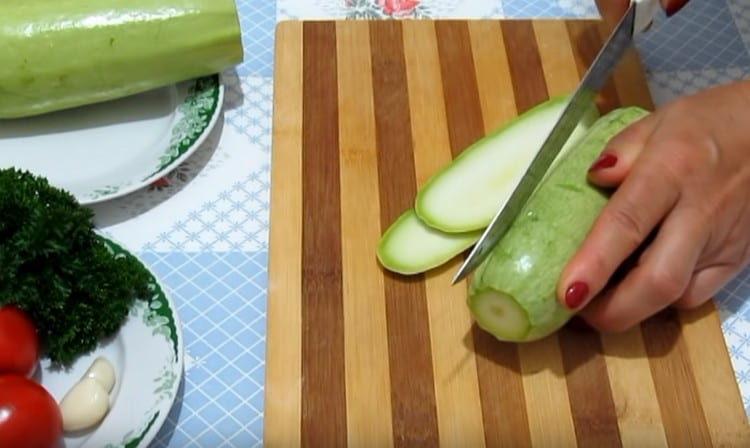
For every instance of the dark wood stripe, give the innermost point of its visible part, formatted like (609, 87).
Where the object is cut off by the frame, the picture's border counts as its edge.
(629, 80)
(591, 403)
(595, 421)
(323, 382)
(412, 381)
(506, 423)
(462, 106)
(679, 400)
(526, 69)
(586, 43)
(498, 367)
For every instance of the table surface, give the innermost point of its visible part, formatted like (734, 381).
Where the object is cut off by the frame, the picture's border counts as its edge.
(204, 228)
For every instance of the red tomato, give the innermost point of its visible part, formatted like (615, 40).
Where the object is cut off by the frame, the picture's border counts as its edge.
(19, 343)
(29, 415)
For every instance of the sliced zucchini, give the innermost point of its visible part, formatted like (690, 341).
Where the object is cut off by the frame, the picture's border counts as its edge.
(525, 266)
(465, 195)
(411, 247)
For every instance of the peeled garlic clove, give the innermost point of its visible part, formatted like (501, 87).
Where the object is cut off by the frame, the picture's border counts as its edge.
(84, 406)
(102, 371)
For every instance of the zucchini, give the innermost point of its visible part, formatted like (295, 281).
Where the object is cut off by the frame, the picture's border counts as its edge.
(512, 293)
(411, 247)
(464, 196)
(59, 54)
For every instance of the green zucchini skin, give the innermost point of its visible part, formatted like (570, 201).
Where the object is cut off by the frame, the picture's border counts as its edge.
(526, 264)
(410, 247)
(59, 54)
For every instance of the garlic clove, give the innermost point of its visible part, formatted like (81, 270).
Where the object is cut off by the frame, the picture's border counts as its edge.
(84, 406)
(102, 371)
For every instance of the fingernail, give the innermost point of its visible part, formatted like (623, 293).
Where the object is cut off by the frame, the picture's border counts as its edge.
(604, 161)
(672, 8)
(575, 294)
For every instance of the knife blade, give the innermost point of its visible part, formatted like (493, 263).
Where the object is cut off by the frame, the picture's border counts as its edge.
(637, 18)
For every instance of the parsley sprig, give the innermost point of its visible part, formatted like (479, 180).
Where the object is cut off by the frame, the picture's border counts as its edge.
(56, 268)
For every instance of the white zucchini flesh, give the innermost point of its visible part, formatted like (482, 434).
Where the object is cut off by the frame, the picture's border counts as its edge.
(411, 247)
(464, 196)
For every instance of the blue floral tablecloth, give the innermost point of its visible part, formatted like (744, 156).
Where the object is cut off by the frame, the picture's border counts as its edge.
(204, 228)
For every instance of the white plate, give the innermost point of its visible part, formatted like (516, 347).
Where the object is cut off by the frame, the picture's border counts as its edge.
(108, 150)
(147, 354)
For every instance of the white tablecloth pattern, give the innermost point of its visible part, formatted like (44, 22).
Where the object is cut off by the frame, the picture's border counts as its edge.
(204, 228)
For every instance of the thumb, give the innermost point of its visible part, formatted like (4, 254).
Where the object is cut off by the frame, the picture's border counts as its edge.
(618, 157)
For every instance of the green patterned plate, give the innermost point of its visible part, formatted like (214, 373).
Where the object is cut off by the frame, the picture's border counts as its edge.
(108, 150)
(147, 354)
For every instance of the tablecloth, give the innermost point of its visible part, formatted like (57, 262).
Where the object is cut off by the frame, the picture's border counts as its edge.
(203, 229)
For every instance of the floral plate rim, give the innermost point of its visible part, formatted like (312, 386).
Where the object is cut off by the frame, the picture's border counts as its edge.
(162, 317)
(204, 102)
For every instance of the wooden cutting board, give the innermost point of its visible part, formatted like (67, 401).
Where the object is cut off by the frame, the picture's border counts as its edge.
(364, 114)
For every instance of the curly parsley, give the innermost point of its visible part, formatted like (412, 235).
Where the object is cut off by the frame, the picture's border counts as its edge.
(56, 268)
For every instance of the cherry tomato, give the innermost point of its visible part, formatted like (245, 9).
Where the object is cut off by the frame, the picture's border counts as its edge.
(29, 415)
(19, 343)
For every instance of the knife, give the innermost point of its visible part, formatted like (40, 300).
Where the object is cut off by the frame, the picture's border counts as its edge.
(637, 19)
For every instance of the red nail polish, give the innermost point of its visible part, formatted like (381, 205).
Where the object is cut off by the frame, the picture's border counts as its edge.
(604, 161)
(575, 294)
(674, 6)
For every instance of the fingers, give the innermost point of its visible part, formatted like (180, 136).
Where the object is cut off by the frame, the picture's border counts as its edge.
(634, 210)
(615, 162)
(705, 284)
(662, 276)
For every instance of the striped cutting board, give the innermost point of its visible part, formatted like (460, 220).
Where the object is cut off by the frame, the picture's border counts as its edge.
(364, 114)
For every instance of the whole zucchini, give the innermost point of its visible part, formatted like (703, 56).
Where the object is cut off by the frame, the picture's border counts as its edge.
(512, 294)
(59, 54)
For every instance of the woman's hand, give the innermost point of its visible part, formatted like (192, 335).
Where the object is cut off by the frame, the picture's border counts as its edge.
(682, 172)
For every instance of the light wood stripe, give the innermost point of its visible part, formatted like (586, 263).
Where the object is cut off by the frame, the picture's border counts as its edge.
(498, 104)
(710, 363)
(501, 385)
(282, 412)
(323, 382)
(412, 383)
(546, 392)
(681, 411)
(547, 400)
(456, 387)
(432, 150)
(556, 54)
(365, 332)
(638, 414)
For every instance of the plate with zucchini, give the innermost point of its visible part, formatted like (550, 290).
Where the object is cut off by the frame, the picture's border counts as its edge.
(103, 98)
(91, 347)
